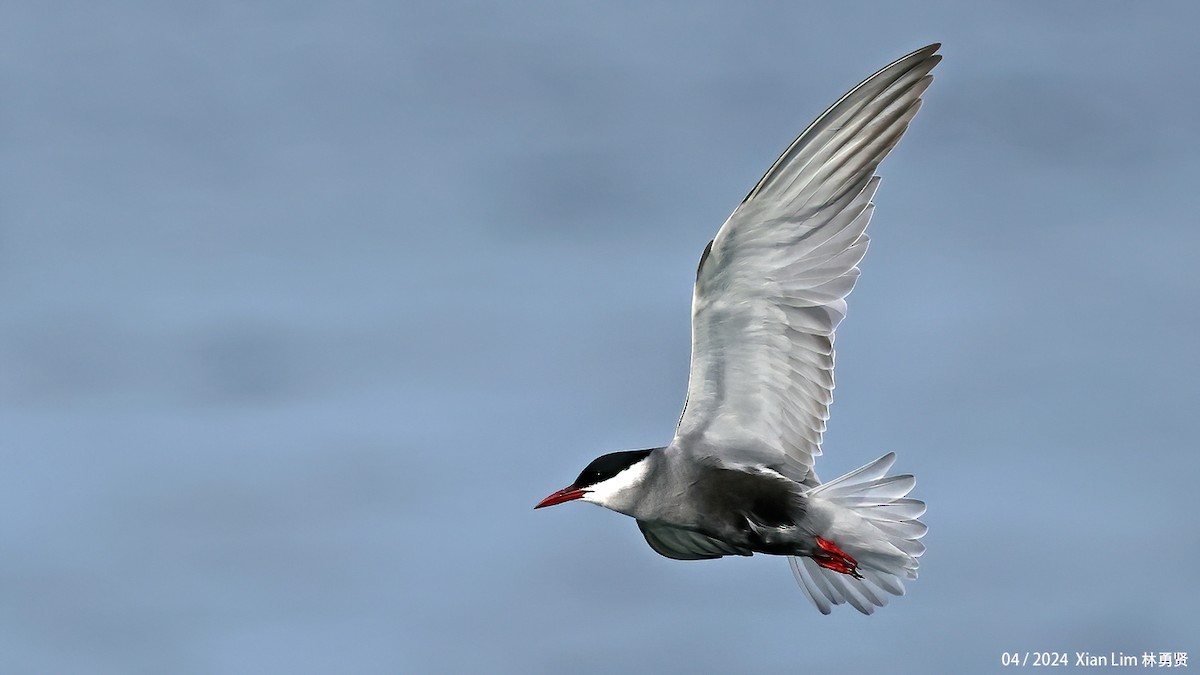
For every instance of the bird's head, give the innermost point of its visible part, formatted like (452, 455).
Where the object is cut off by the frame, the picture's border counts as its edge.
(606, 481)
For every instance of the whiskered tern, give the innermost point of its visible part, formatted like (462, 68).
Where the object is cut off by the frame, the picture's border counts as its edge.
(737, 478)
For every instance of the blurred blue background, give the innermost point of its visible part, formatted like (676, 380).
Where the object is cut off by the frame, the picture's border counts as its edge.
(305, 305)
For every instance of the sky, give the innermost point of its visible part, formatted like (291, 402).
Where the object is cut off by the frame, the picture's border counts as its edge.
(306, 305)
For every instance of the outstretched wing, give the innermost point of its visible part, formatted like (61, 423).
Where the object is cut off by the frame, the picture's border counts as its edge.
(681, 544)
(771, 287)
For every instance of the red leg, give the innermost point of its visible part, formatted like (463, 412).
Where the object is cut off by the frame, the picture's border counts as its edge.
(834, 558)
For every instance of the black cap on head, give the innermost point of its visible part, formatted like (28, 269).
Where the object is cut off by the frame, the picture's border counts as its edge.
(606, 466)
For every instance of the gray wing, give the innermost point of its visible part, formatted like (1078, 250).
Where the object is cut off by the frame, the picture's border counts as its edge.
(772, 286)
(681, 544)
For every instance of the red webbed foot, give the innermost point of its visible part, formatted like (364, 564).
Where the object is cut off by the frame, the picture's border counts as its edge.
(834, 558)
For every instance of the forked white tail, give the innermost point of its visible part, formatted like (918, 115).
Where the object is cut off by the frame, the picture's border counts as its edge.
(871, 518)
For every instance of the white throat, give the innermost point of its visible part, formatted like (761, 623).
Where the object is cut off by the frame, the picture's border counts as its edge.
(621, 492)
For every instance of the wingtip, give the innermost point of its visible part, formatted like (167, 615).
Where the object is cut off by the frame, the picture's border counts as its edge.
(926, 53)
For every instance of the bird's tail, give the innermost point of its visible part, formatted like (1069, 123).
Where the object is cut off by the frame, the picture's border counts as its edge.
(868, 518)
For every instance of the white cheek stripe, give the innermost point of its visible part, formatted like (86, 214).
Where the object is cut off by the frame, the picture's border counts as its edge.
(604, 492)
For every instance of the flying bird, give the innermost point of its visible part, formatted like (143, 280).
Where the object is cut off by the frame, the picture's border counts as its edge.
(771, 287)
